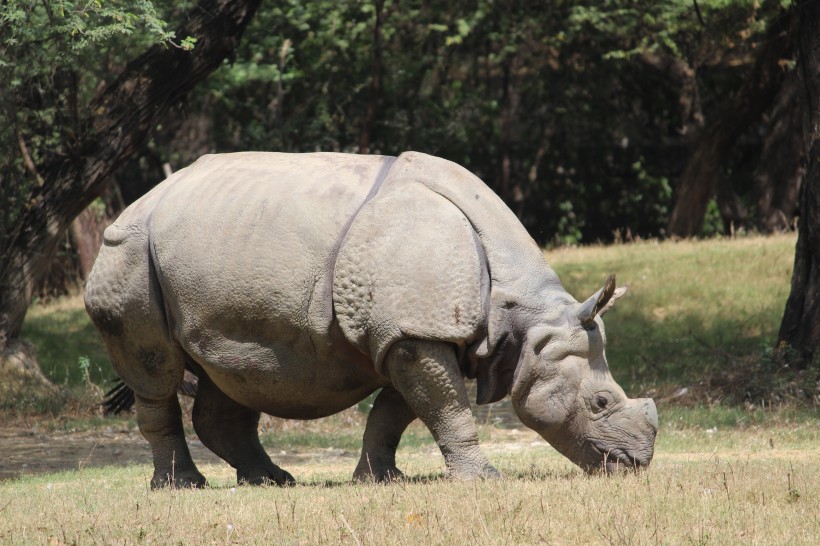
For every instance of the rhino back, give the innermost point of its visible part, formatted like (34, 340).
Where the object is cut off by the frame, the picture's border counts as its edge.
(516, 261)
(243, 245)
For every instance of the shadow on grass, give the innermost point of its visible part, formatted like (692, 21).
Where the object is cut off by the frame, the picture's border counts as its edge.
(425, 479)
(65, 339)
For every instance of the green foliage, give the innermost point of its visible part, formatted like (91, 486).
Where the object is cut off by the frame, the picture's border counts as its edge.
(53, 56)
(669, 26)
(84, 364)
(568, 229)
(556, 94)
(712, 223)
(188, 43)
(564, 109)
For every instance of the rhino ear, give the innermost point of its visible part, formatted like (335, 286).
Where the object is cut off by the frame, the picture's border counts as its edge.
(620, 291)
(600, 302)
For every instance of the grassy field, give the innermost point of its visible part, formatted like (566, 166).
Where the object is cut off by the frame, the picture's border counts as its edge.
(67, 343)
(694, 307)
(729, 468)
(757, 486)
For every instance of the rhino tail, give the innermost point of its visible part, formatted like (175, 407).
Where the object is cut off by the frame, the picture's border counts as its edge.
(120, 398)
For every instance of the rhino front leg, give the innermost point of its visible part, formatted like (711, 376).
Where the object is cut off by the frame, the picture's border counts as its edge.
(160, 421)
(386, 422)
(426, 373)
(230, 430)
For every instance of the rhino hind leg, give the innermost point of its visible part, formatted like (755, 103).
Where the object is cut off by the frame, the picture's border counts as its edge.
(153, 367)
(386, 422)
(427, 375)
(160, 421)
(230, 431)
(123, 299)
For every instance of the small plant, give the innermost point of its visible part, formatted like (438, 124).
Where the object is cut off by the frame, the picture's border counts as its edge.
(188, 43)
(713, 222)
(84, 364)
(793, 495)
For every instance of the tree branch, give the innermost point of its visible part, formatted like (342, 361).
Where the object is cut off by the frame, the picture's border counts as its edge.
(128, 109)
(118, 124)
(27, 161)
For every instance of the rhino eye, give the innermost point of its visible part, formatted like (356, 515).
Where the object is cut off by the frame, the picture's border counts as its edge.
(601, 401)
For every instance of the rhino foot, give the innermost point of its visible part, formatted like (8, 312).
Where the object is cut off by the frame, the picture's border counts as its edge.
(266, 475)
(378, 474)
(189, 479)
(473, 472)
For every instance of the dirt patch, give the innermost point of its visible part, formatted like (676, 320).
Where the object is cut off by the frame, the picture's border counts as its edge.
(30, 451)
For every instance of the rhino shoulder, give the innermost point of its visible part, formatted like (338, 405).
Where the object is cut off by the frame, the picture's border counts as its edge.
(411, 266)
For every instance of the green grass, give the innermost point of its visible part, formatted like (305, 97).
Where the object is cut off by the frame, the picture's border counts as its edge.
(726, 471)
(300, 439)
(694, 308)
(64, 337)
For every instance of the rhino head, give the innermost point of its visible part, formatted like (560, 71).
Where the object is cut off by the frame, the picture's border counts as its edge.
(562, 389)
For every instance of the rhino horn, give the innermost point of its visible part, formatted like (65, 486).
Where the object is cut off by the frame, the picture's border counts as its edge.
(599, 302)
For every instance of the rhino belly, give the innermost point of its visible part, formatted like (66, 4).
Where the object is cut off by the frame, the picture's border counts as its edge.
(287, 377)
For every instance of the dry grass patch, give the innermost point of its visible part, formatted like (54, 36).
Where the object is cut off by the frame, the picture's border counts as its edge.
(718, 487)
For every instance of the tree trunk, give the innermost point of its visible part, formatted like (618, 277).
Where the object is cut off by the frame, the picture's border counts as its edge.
(780, 169)
(701, 179)
(118, 123)
(800, 328)
(683, 76)
(87, 236)
(376, 80)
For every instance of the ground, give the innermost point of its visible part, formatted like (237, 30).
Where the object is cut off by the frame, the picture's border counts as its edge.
(37, 451)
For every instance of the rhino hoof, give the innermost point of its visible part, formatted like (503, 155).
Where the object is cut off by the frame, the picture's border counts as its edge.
(178, 480)
(272, 475)
(378, 475)
(486, 472)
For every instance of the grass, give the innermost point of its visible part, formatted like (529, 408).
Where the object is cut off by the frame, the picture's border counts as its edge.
(694, 308)
(701, 318)
(66, 342)
(302, 437)
(718, 487)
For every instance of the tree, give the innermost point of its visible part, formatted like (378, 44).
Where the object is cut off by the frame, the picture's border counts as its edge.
(61, 150)
(800, 328)
(704, 177)
(779, 170)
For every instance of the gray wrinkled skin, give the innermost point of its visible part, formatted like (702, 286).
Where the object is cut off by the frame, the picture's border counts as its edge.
(298, 284)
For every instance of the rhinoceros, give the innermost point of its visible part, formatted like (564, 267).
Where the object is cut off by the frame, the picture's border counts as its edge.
(299, 284)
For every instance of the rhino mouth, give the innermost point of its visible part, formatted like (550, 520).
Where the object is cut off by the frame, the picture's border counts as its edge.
(613, 460)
